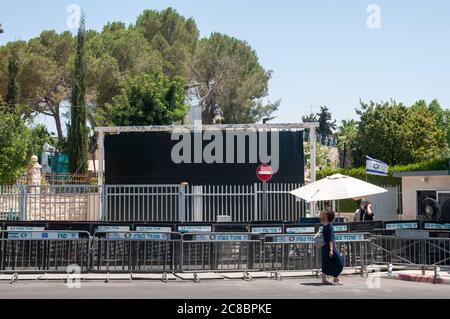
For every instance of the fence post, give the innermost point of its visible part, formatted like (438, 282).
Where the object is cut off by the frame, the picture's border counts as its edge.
(182, 203)
(423, 260)
(102, 190)
(22, 202)
(181, 254)
(255, 199)
(251, 255)
(285, 256)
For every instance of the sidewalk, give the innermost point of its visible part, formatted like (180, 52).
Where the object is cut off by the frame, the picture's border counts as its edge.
(399, 273)
(416, 276)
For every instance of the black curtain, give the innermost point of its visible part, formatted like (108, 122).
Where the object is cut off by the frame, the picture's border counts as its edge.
(145, 158)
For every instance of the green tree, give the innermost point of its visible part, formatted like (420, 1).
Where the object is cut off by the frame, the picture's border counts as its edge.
(174, 38)
(310, 118)
(147, 100)
(15, 144)
(39, 136)
(78, 131)
(347, 133)
(442, 116)
(132, 51)
(223, 70)
(322, 157)
(326, 125)
(44, 76)
(111, 55)
(399, 135)
(13, 70)
(230, 81)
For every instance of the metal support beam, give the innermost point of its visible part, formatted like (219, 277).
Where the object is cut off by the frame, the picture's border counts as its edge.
(312, 160)
(100, 174)
(101, 159)
(170, 128)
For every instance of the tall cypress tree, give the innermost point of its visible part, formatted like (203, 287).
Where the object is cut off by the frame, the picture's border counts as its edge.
(78, 132)
(13, 70)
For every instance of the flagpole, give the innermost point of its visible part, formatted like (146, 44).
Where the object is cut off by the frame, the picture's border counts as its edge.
(366, 169)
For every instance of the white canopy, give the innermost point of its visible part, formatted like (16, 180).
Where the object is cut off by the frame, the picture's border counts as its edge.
(337, 187)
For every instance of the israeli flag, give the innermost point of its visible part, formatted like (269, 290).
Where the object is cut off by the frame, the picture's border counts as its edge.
(376, 167)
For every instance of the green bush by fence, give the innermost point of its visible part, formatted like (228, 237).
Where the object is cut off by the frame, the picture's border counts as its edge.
(349, 205)
(435, 165)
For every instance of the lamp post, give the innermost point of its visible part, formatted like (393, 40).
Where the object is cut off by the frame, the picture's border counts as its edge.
(1, 29)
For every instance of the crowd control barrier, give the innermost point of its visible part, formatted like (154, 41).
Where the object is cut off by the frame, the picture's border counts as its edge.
(221, 252)
(415, 252)
(298, 252)
(156, 249)
(43, 251)
(116, 251)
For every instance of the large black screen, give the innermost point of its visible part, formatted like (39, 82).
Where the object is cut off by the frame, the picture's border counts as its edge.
(146, 158)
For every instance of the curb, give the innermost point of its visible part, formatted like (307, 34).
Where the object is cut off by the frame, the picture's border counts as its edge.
(421, 278)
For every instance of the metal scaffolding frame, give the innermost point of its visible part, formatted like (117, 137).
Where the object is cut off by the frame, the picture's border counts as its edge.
(312, 126)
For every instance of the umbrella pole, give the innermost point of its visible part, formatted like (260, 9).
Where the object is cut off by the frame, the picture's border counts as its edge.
(339, 210)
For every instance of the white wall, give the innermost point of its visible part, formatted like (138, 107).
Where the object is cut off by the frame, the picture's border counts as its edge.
(385, 205)
(410, 186)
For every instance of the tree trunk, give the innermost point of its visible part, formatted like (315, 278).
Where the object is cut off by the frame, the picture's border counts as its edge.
(57, 118)
(208, 115)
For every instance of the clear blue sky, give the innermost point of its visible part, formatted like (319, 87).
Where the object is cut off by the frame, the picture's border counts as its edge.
(321, 52)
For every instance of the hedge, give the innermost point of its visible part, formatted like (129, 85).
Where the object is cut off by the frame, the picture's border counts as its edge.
(434, 165)
(349, 205)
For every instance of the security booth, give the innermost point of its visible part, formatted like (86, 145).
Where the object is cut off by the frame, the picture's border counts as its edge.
(426, 195)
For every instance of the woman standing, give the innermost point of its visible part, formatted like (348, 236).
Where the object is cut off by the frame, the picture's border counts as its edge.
(332, 264)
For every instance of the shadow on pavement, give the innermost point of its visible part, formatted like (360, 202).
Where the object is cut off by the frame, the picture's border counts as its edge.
(315, 284)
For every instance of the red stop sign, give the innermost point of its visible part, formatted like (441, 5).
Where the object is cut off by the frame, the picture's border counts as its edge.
(264, 173)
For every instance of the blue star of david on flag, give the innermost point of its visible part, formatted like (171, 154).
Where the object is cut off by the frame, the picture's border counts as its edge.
(376, 167)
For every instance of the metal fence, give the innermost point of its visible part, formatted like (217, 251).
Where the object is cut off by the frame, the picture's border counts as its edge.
(136, 252)
(69, 179)
(11, 202)
(298, 252)
(146, 203)
(415, 252)
(142, 203)
(221, 252)
(25, 251)
(242, 203)
(133, 252)
(148, 252)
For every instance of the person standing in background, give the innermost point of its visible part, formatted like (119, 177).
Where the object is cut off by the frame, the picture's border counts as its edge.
(364, 213)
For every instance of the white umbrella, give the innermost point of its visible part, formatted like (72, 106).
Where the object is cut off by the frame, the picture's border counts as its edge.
(337, 187)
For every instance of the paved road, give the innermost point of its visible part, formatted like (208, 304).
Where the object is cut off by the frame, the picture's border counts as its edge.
(354, 288)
